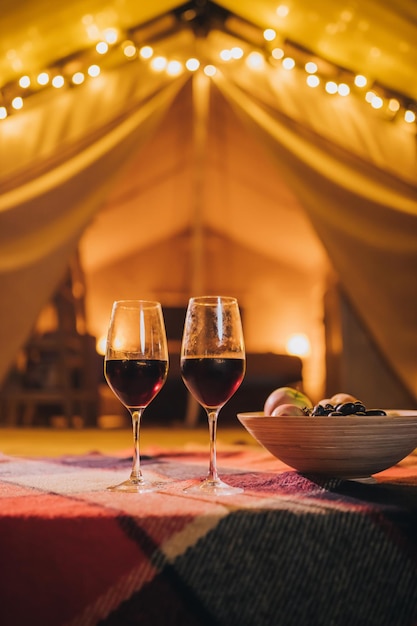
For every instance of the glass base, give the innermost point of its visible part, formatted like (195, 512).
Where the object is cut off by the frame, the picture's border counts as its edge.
(213, 488)
(136, 486)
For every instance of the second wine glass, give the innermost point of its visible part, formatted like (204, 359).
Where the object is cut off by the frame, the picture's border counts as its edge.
(213, 366)
(136, 367)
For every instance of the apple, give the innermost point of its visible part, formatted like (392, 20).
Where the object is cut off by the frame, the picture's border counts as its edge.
(286, 395)
(288, 410)
(340, 398)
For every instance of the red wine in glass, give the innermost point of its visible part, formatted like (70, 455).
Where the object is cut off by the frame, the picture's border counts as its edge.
(135, 382)
(212, 381)
(136, 367)
(213, 366)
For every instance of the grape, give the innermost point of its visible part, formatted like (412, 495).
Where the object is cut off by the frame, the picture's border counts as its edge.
(320, 410)
(344, 408)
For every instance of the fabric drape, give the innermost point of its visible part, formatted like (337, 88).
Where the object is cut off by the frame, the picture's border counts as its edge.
(365, 216)
(49, 200)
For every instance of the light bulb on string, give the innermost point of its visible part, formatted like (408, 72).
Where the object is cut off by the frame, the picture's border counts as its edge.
(102, 47)
(146, 52)
(78, 78)
(58, 82)
(409, 116)
(43, 78)
(17, 103)
(94, 71)
(192, 64)
(24, 82)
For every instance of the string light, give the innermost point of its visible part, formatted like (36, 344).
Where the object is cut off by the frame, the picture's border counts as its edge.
(369, 95)
(288, 63)
(278, 53)
(282, 10)
(225, 55)
(58, 82)
(360, 81)
(24, 82)
(129, 49)
(331, 87)
(78, 78)
(17, 103)
(174, 68)
(343, 89)
(393, 105)
(146, 52)
(210, 70)
(377, 102)
(311, 67)
(43, 78)
(159, 63)
(102, 47)
(192, 64)
(269, 34)
(312, 80)
(255, 59)
(94, 71)
(237, 52)
(111, 35)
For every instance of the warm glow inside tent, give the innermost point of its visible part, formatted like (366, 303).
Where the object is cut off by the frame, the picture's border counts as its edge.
(264, 149)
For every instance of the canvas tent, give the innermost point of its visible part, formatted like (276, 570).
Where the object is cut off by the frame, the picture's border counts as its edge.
(238, 176)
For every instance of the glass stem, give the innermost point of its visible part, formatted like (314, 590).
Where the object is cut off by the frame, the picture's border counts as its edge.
(212, 422)
(136, 473)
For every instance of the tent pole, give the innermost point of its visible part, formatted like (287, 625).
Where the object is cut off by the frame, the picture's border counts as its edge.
(200, 94)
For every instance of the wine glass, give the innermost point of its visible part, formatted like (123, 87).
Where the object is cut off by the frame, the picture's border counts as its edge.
(136, 367)
(213, 366)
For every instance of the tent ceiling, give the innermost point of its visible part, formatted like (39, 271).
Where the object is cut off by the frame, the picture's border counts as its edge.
(376, 36)
(259, 212)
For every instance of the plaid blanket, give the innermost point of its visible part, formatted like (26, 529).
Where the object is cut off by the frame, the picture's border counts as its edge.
(291, 550)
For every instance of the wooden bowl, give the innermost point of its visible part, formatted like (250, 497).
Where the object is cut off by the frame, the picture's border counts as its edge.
(343, 447)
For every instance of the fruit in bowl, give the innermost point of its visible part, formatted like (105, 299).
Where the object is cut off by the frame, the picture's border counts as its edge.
(339, 398)
(288, 409)
(288, 397)
(286, 401)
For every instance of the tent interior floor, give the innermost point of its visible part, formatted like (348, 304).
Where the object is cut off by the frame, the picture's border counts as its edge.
(55, 442)
(53, 435)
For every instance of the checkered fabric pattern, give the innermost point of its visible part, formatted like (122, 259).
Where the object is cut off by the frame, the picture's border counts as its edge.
(292, 550)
